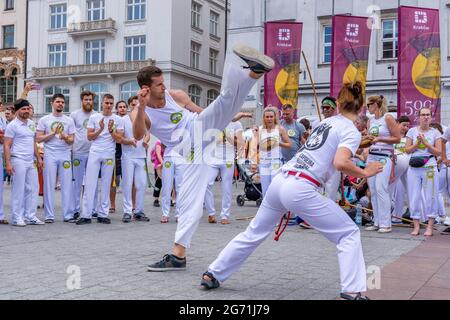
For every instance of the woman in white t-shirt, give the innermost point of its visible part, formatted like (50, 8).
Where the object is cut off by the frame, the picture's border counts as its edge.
(386, 133)
(424, 144)
(297, 189)
(271, 138)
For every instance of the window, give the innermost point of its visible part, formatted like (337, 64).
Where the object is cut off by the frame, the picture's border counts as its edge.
(195, 93)
(327, 36)
(57, 54)
(195, 14)
(50, 91)
(100, 89)
(8, 87)
(94, 52)
(96, 10)
(211, 96)
(8, 37)
(136, 10)
(389, 39)
(213, 57)
(9, 5)
(135, 48)
(128, 89)
(214, 23)
(58, 16)
(195, 55)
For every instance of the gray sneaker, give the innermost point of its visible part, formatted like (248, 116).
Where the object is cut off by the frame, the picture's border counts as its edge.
(256, 61)
(34, 222)
(168, 263)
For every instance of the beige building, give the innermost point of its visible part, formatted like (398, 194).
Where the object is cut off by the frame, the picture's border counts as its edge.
(13, 17)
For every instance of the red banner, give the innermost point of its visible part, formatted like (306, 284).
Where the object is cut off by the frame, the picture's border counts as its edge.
(419, 67)
(283, 42)
(349, 52)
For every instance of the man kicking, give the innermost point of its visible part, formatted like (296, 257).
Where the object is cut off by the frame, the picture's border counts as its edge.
(181, 128)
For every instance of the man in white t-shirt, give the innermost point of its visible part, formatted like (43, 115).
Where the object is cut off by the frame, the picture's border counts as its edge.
(81, 147)
(104, 130)
(56, 131)
(20, 149)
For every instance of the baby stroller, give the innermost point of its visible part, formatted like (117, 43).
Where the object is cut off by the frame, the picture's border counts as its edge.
(252, 188)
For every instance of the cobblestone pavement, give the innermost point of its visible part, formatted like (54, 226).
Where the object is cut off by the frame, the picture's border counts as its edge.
(39, 262)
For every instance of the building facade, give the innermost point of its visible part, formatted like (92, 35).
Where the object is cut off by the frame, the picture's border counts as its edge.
(13, 17)
(316, 43)
(100, 45)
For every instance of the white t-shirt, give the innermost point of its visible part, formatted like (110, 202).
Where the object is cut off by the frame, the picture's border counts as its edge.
(3, 125)
(104, 143)
(131, 152)
(48, 125)
(81, 145)
(23, 135)
(431, 136)
(316, 156)
(379, 128)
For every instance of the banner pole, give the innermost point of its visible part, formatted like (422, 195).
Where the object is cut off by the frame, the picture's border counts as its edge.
(313, 85)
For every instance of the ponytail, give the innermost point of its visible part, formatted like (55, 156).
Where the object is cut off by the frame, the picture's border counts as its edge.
(350, 97)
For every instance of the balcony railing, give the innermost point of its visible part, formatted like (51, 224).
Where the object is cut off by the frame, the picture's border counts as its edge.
(91, 69)
(92, 27)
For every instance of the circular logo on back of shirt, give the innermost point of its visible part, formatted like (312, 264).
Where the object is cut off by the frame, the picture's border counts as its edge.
(176, 117)
(317, 138)
(291, 133)
(109, 162)
(76, 163)
(54, 125)
(167, 164)
(374, 131)
(66, 164)
(85, 123)
(32, 127)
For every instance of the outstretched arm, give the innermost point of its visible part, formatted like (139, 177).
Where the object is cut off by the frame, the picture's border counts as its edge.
(183, 99)
(141, 122)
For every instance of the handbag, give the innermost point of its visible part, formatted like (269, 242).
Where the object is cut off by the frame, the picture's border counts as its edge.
(419, 162)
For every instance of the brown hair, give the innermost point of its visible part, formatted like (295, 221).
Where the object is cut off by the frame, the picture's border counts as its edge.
(131, 99)
(274, 110)
(380, 101)
(87, 93)
(146, 74)
(107, 96)
(437, 126)
(350, 97)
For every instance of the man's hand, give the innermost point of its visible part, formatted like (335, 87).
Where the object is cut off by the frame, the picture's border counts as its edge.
(9, 168)
(102, 123)
(111, 126)
(373, 168)
(144, 97)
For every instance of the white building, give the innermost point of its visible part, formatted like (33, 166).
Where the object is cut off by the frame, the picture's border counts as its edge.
(13, 19)
(101, 44)
(247, 25)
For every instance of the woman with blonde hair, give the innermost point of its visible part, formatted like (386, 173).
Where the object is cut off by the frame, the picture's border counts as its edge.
(270, 138)
(385, 132)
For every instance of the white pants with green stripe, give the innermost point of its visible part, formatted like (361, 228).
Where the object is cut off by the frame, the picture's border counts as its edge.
(424, 181)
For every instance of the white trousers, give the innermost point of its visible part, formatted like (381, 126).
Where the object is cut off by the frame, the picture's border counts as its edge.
(267, 171)
(226, 173)
(217, 115)
(444, 176)
(133, 170)
(332, 186)
(172, 174)
(2, 212)
(288, 193)
(379, 190)
(398, 188)
(423, 182)
(79, 163)
(58, 164)
(98, 163)
(24, 191)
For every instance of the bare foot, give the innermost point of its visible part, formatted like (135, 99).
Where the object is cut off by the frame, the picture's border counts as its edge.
(415, 232)
(429, 232)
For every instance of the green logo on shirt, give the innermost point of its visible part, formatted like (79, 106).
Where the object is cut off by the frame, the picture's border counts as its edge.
(291, 133)
(85, 123)
(54, 125)
(176, 117)
(32, 127)
(374, 131)
(66, 164)
(76, 162)
(109, 162)
(167, 164)
(422, 146)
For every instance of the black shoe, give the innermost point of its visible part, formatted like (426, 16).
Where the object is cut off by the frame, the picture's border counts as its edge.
(209, 284)
(126, 218)
(83, 221)
(140, 216)
(446, 231)
(94, 215)
(168, 263)
(357, 297)
(172, 204)
(49, 221)
(256, 61)
(72, 220)
(103, 220)
(76, 215)
(156, 203)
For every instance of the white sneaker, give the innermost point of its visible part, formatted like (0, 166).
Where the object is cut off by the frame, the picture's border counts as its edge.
(384, 230)
(447, 221)
(35, 222)
(372, 228)
(19, 224)
(257, 62)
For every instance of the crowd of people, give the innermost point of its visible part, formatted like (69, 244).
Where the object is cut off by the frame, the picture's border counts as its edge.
(304, 168)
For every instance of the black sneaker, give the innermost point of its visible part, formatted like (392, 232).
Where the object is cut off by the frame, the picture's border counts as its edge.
(72, 220)
(76, 215)
(140, 216)
(446, 231)
(172, 204)
(103, 220)
(83, 221)
(213, 283)
(256, 61)
(94, 215)
(168, 263)
(126, 218)
(156, 203)
(49, 220)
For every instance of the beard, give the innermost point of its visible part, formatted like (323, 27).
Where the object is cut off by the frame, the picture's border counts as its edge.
(88, 107)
